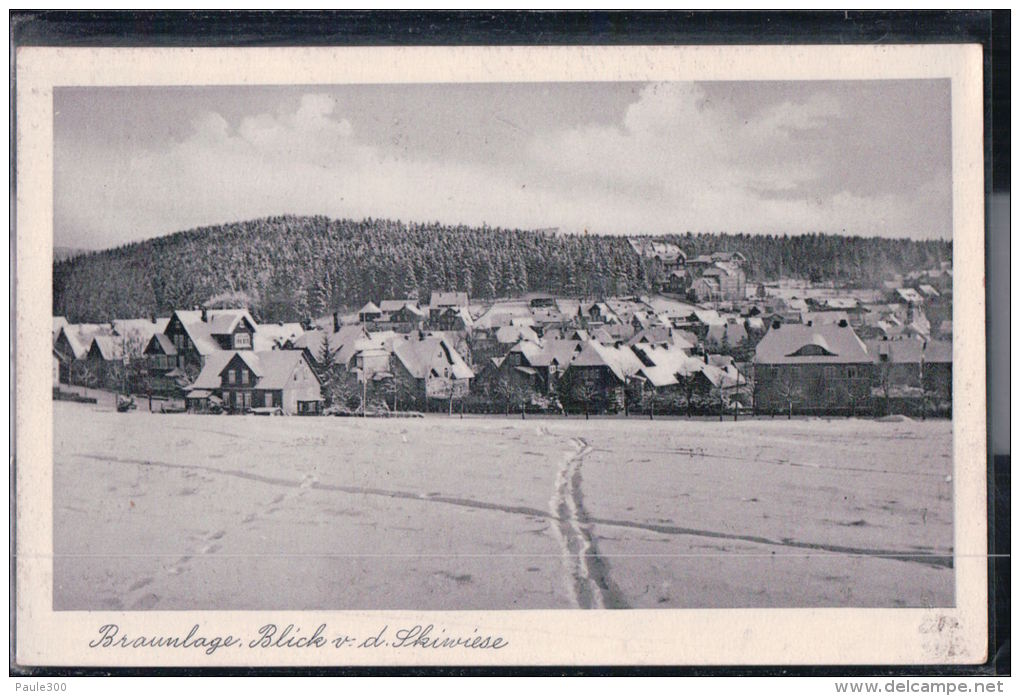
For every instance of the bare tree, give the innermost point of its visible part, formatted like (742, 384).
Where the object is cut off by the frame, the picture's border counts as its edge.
(83, 374)
(585, 391)
(688, 386)
(789, 390)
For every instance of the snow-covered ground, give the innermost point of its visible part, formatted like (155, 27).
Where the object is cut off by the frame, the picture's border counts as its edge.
(225, 512)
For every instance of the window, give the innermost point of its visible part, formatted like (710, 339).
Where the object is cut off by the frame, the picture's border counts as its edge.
(830, 372)
(231, 377)
(244, 376)
(242, 340)
(851, 372)
(161, 362)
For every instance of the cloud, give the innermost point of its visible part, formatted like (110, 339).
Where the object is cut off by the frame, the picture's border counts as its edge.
(679, 159)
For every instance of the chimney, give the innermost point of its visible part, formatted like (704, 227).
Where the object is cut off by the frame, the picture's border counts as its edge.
(842, 323)
(205, 314)
(776, 323)
(336, 322)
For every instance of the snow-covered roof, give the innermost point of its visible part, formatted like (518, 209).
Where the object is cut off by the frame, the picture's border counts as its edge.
(910, 295)
(431, 355)
(911, 350)
(273, 368)
(449, 299)
(732, 332)
(142, 328)
(621, 361)
(666, 363)
(818, 318)
(512, 334)
(393, 305)
(79, 336)
(272, 336)
(792, 344)
(108, 347)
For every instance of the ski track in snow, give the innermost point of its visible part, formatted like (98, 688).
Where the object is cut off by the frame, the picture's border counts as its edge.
(564, 509)
(574, 538)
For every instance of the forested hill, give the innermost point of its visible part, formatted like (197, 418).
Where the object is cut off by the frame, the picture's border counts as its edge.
(292, 268)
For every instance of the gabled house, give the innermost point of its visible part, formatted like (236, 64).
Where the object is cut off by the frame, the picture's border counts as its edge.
(106, 360)
(75, 340)
(913, 367)
(450, 319)
(597, 312)
(431, 367)
(814, 369)
(369, 313)
(549, 358)
(58, 324)
(597, 376)
(730, 334)
(440, 302)
(403, 316)
(678, 282)
(276, 336)
(189, 333)
(232, 329)
(311, 341)
(245, 380)
(73, 343)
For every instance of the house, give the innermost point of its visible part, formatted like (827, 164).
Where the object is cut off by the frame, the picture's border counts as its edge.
(450, 319)
(312, 342)
(403, 316)
(246, 379)
(663, 367)
(431, 367)
(232, 329)
(823, 317)
(73, 343)
(58, 324)
(659, 336)
(106, 361)
(906, 365)
(908, 295)
(140, 330)
(730, 282)
(549, 358)
(507, 336)
(539, 300)
(812, 369)
(597, 312)
(196, 334)
(440, 302)
(729, 334)
(678, 282)
(597, 376)
(276, 336)
(58, 361)
(666, 253)
(369, 313)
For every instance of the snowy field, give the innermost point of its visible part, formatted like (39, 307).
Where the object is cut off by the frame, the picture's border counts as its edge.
(219, 512)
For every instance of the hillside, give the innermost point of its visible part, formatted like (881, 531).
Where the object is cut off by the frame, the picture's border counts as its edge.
(291, 268)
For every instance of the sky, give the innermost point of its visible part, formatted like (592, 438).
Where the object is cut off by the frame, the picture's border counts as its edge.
(852, 157)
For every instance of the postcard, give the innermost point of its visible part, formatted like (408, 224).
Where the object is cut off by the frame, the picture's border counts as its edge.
(500, 356)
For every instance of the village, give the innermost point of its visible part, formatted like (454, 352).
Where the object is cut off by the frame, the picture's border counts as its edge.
(708, 343)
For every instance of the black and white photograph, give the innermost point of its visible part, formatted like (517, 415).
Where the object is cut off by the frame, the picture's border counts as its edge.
(505, 346)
